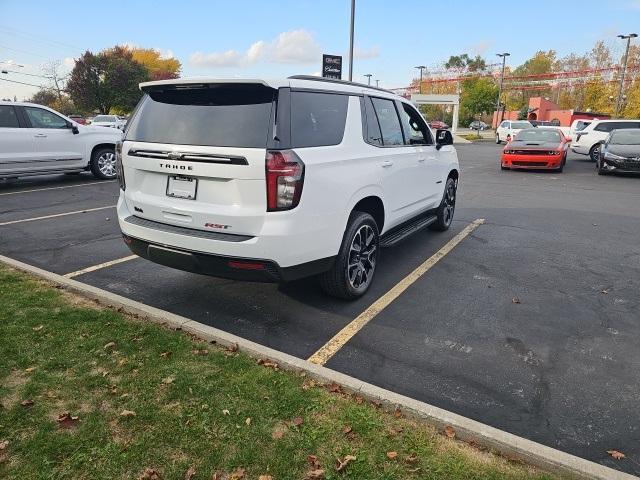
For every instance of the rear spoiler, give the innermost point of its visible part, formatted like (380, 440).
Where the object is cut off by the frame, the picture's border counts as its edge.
(187, 83)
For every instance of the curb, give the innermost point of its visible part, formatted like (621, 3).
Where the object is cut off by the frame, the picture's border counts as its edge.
(507, 444)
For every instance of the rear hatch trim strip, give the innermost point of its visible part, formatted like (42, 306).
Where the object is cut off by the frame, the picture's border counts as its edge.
(191, 232)
(189, 156)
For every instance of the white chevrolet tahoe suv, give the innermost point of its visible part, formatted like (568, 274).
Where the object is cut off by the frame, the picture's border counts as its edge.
(277, 180)
(589, 140)
(36, 140)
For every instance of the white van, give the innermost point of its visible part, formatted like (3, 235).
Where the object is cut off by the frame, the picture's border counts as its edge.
(277, 180)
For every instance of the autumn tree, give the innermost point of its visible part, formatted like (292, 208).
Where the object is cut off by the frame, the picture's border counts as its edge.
(159, 68)
(478, 97)
(107, 81)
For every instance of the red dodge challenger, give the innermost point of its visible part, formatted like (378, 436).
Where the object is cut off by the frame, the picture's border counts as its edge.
(537, 148)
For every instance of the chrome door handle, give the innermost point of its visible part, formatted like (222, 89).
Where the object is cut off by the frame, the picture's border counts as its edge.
(40, 135)
(387, 164)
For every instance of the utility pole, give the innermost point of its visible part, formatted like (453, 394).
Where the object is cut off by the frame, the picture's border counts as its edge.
(624, 69)
(368, 75)
(504, 60)
(421, 68)
(353, 14)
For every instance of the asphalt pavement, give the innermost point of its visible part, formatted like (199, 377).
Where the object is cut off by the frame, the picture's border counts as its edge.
(531, 324)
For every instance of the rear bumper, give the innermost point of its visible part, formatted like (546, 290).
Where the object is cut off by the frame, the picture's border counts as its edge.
(234, 268)
(541, 162)
(579, 149)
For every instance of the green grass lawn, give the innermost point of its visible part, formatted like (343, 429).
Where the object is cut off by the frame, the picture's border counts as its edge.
(86, 393)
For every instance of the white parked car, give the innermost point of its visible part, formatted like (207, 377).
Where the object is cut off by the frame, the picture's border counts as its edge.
(277, 180)
(578, 126)
(589, 140)
(112, 121)
(36, 140)
(508, 129)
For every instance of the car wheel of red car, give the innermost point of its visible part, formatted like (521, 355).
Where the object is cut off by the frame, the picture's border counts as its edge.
(502, 167)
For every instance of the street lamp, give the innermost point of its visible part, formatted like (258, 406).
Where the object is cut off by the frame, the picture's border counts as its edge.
(421, 68)
(368, 75)
(624, 68)
(504, 60)
(353, 14)
(377, 83)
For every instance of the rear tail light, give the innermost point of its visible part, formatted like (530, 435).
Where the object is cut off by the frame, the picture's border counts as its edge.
(240, 265)
(119, 169)
(285, 177)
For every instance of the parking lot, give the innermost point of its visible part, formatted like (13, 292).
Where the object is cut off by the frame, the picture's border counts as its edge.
(530, 324)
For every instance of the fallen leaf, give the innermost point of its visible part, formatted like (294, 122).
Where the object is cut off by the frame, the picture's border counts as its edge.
(109, 345)
(232, 348)
(190, 473)
(616, 454)
(66, 420)
(30, 369)
(313, 460)
(393, 431)
(165, 354)
(150, 474)
(316, 474)
(248, 421)
(334, 388)
(346, 430)
(38, 328)
(127, 413)
(219, 476)
(449, 431)
(515, 300)
(169, 380)
(26, 403)
(342, 464)
(413, 458)
(237, 474)
(268, 364)
(309, 383)
(397, 413)
(4, 444)
(392, 455)
(359, 399)
(225, 412)
(265, 477)
(278, 431)
(413, 470)
(297, 421)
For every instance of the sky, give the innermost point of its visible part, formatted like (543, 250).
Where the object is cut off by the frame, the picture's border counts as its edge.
(278, 38)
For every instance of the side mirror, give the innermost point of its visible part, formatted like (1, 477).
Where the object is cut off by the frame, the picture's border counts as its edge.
(443, 137)
(73, 127)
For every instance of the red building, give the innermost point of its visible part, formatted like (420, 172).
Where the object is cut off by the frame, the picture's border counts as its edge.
(545, 110)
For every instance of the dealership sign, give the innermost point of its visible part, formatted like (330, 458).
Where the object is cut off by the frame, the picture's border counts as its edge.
(332, 66)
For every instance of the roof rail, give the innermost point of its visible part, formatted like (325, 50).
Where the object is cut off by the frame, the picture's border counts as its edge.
(335, 80)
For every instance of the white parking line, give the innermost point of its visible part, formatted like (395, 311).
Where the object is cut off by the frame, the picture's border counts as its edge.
(55, 215)
(99, 266)
(330, 348)
(56, 188)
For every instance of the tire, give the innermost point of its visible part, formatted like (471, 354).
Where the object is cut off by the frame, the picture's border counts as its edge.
(351, 274)
(103, 164)
(502, 167)
(562, 163)
(599, 169)
(594, 153)
(497, 139)
(447, 207)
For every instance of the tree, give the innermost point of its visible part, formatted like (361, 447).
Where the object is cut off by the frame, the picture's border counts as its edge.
(45, 96)
(159, 68)
(465, 62)
(523, 114)
(478, 97)
(107, 81)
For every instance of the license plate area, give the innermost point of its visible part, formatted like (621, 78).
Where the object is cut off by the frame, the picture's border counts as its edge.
(179, 186)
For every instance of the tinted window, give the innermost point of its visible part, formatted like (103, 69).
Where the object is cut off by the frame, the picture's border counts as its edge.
(538, 135)
(44, 118)
(520, 125)
(415, 128)
(317, 119)
(372, 135)
(609, 126)
(389, 122)
(8, 117)
(226, 116)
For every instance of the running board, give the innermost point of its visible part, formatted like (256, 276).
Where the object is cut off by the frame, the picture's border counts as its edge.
(397, 235)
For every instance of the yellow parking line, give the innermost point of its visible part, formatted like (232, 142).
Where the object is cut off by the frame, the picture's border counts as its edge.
(55, 215)
(55, 188)
(330, 348)
(99, 266)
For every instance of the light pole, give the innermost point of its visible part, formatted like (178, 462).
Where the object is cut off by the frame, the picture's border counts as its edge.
(353, 14)
(421, 68)
(377, 83)
(624, 69)
(368, 75)
(504, 60)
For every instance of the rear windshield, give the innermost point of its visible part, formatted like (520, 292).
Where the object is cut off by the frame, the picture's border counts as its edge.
(104, 118)
(224, 116)
(519, 125)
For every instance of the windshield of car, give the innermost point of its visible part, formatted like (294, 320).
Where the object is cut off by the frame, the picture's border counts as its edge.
(625, 137)
(104, 118)
(520, 125)
(537, 135)
(225, 115)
